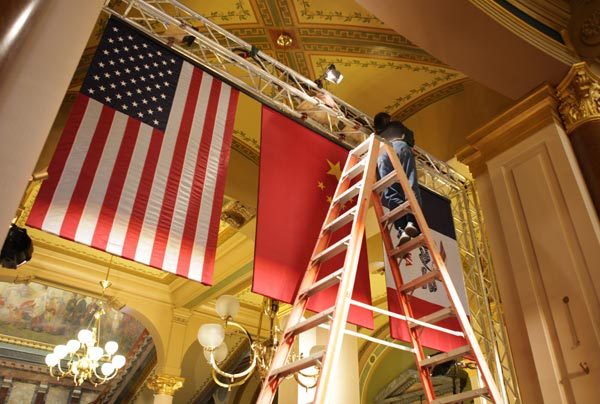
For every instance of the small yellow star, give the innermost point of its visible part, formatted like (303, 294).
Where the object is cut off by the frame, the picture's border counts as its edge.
(334, 169)
(329, 199)
(321, 185)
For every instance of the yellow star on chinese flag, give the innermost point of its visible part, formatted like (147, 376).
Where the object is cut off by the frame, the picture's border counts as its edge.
(321, 185)
(334, 169)
(329, 199)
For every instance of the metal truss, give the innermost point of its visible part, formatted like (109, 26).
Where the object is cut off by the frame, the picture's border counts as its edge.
(276, 85)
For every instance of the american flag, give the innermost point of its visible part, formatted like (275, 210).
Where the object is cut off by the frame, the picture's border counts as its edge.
(140, 169)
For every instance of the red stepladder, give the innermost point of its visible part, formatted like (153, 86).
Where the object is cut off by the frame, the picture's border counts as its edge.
(356, 190)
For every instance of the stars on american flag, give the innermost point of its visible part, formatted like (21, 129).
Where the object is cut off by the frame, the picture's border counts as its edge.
(134, 75)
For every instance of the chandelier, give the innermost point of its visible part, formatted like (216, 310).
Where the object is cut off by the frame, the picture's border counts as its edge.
(84, 358)
(212, 339)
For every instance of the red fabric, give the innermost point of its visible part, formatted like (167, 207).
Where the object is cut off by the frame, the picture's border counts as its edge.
(297, 168)
(429, 338)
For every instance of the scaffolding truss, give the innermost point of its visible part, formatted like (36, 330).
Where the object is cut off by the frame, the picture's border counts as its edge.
(274, 84)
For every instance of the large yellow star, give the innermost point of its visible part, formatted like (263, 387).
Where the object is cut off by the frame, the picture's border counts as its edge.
(329, 199)
(321, 185)
(334, 169)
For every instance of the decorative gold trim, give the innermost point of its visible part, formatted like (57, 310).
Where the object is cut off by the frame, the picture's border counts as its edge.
(535, 111)
(165, 384)
(9, 339)
(579, 96)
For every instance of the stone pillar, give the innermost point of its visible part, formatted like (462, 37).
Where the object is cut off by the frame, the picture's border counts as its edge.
(164, 387)
(41, 43)
(545, 242)
(579, 95)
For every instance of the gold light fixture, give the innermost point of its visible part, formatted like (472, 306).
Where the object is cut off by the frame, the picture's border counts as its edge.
(84, 358)
(285, 40)
(212, 339)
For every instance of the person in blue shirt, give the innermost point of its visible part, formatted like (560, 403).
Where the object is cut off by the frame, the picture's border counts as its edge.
(403, 141)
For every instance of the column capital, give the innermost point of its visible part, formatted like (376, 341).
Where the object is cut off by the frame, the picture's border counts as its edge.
(165, 384)
(579, 96)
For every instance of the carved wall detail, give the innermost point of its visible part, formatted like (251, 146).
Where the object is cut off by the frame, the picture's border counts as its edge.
(579, 95)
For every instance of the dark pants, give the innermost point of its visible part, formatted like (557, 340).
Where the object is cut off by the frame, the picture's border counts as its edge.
(393, 196)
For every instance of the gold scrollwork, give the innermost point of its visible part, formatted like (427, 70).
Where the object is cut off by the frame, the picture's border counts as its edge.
(165, 384)
(579, 96)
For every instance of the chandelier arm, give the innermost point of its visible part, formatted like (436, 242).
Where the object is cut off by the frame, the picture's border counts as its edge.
(301, 383)
(229, 385)
(246, 372)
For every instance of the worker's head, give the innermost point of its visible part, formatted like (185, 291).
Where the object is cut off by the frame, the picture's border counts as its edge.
(381, 121)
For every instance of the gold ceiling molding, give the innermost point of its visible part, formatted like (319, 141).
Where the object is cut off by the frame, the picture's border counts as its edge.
(8, 339)
(165, 384)
(520, 28)
(428, 98)
(579, 95)
(535, 111)
(308, 12)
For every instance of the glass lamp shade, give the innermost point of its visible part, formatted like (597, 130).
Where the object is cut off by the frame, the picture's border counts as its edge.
(107, 369)
(219, 353)
(74, 367)
(85, 337)
(211, 335)
(61, 351)
(73, 345)
(51, 359)
(118, 361)
(111, 347)
(227, 306)
(95, 353)
(316, 349)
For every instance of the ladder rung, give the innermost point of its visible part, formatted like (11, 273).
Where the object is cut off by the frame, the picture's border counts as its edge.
(332, 250)
(341, 220)
(322, 284)
(361, 148)
(385, 182)
(457, 398)
(349, 193)
(293, 367)
(352, 172)
(445, 357)
(434, 317)
(396, 213)
(310, 322)
(420, 281)
(407, 247)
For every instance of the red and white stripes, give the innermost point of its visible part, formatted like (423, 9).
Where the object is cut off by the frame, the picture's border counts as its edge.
(121, 186)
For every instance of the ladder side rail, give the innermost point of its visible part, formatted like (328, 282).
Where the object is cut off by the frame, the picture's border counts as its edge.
(449, 286)
(403, 299)
(270, 385)
(344, 294)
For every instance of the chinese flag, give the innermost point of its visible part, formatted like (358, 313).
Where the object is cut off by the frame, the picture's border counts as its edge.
(299, 172)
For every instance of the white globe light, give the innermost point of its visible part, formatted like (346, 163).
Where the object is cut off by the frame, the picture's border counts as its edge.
(51, 359)
(220, 353)
(211, 335)
(118, 361)
(73, 345)
(74, 369)
(111, 347)
(85, 337)
(227, 306)
(61, 351)
(107, 369)
(95, 353)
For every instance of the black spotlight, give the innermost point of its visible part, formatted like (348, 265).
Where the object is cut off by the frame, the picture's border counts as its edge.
(17, 248)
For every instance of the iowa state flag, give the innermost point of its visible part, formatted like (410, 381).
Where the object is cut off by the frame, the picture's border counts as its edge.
(140, 168)
(299, 171)
(432, 297)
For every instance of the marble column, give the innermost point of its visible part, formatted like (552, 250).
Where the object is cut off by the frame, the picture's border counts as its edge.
(545, 242)
(164, 387)
(579, 95)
